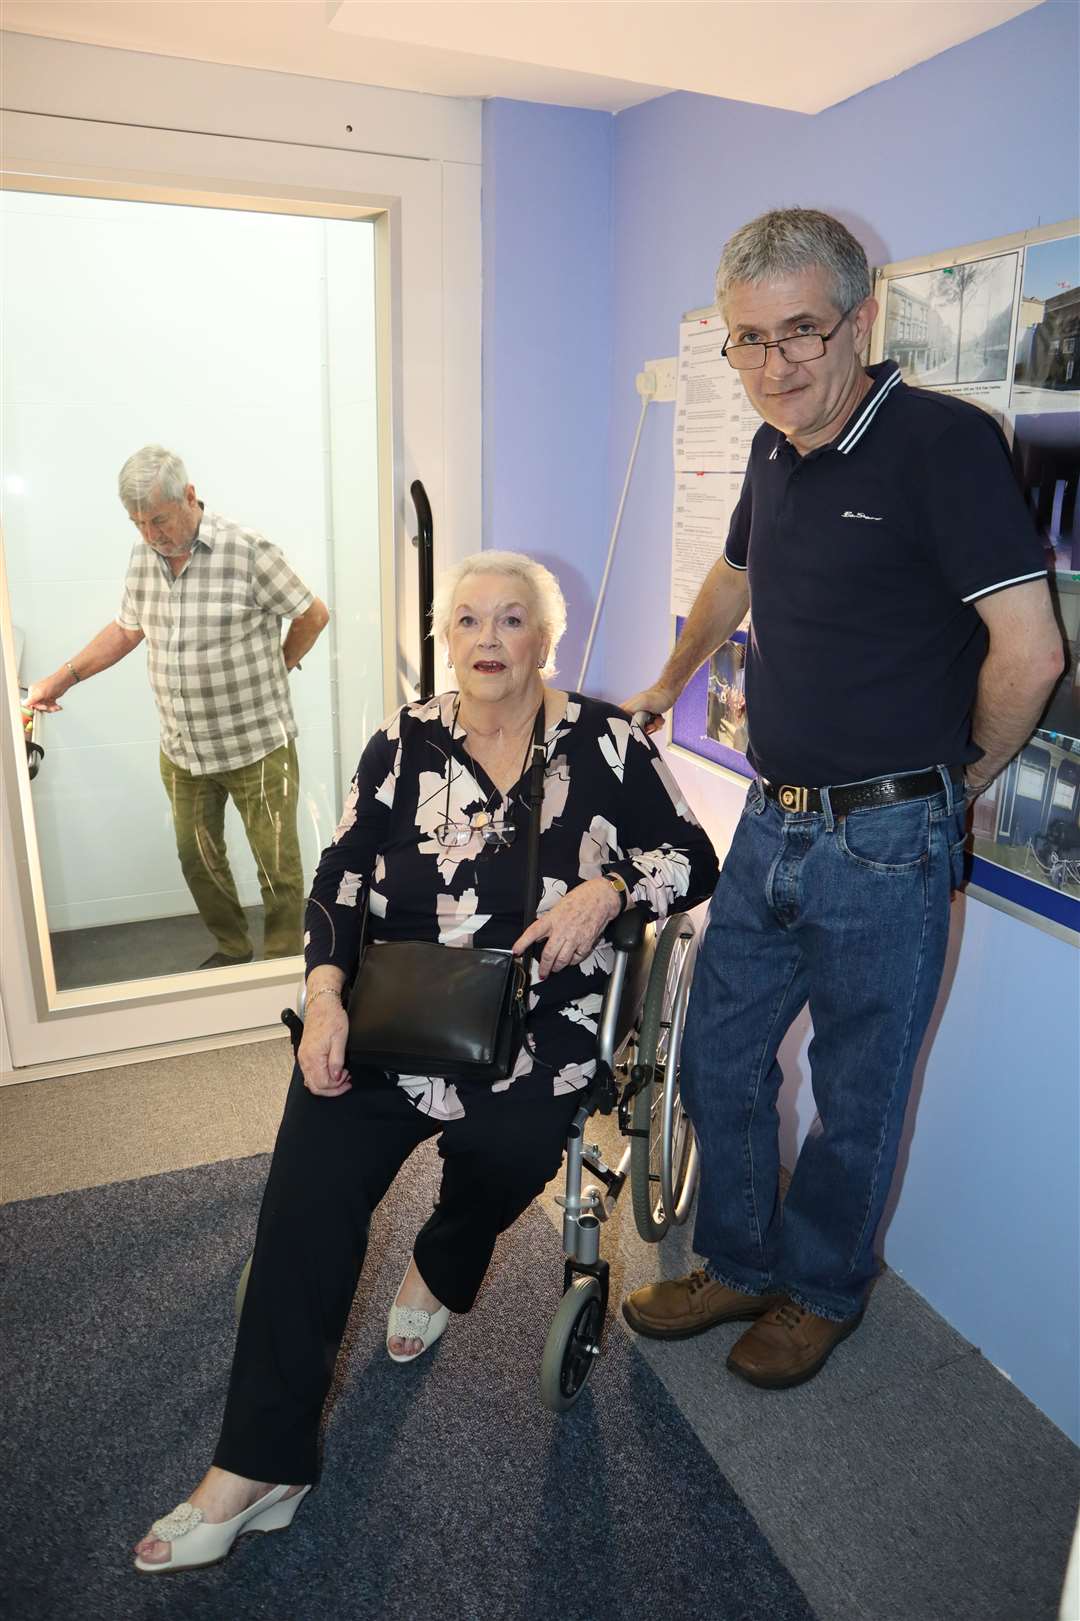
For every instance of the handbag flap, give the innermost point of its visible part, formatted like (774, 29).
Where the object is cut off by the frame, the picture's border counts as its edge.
(432, 1000)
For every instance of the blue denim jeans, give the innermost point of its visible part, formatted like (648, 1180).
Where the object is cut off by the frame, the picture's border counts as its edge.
(850, 915)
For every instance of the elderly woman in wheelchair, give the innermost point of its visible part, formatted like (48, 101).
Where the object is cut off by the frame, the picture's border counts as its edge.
(432, 847)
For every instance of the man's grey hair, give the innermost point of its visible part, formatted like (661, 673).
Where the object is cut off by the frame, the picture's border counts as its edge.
(541, 585)
(787, 240)
(153, 469)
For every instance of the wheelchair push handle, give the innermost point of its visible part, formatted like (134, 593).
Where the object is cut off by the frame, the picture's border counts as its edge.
(650, 720)
(425, 552)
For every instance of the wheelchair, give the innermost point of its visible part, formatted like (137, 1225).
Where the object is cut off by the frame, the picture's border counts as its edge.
(639, 1035)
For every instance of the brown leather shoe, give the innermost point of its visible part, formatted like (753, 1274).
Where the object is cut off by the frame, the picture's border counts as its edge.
(787, 1346)
(679, 1308)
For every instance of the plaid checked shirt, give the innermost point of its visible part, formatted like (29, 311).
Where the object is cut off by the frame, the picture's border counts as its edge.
(213, 636)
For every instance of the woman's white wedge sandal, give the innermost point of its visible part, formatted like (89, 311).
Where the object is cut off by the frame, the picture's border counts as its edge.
(410, 1323)
(194, 1541)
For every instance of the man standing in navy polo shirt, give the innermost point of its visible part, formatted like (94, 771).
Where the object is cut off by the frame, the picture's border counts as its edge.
(902, 647)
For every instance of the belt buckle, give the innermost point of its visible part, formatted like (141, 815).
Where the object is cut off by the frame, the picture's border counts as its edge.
(793, 799)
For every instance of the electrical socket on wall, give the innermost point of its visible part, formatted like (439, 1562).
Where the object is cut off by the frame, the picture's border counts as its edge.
(656, 380)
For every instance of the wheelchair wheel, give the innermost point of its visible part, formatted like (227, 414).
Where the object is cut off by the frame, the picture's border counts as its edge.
(572, 1345)
(241, 1287)
(664, 1158)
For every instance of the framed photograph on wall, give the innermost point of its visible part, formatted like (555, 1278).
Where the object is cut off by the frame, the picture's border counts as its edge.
(998, 323)
(709, 719)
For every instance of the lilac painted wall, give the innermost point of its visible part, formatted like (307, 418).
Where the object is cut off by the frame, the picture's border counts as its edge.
(981, 141)
(547, 344)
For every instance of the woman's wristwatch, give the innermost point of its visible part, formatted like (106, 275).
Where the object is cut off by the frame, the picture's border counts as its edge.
(621, 888)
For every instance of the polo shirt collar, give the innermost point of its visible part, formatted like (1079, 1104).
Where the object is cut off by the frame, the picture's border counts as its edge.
(886, 377)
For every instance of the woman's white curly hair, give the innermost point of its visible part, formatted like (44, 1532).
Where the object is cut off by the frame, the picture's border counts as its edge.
(541, 585)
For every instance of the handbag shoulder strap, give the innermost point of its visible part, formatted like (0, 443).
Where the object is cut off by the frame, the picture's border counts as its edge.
(536, 802)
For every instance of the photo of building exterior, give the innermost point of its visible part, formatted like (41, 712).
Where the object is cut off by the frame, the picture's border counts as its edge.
(915, 335)
(954, 325)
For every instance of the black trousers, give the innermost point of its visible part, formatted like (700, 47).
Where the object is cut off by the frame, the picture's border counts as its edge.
(333, 1161)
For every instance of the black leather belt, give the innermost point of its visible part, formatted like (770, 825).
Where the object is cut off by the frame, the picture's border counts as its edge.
(851, 796)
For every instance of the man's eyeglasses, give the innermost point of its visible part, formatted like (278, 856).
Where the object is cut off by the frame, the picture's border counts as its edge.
(455, 835)
(803, 346)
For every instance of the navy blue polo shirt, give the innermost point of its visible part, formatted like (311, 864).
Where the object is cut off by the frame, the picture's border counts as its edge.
(865, 561)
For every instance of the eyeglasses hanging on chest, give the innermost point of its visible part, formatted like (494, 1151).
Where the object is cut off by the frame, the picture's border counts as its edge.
(497, 832)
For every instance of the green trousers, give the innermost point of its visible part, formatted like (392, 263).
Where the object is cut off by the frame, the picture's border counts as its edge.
(266, 793)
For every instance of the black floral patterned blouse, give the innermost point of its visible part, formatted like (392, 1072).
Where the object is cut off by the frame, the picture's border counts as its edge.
(610, 805)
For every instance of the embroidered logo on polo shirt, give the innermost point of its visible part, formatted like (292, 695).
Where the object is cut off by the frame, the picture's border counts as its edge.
(867, 517)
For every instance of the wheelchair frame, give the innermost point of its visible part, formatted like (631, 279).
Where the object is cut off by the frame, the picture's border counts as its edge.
(643, 1085)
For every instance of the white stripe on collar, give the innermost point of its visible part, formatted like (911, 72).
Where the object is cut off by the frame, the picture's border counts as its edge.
(866, 416)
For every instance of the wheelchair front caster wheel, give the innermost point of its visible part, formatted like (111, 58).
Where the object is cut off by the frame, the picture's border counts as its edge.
(572, 1345)
(241, 1287)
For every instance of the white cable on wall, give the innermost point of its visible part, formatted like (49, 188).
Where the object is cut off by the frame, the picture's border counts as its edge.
(645, 382)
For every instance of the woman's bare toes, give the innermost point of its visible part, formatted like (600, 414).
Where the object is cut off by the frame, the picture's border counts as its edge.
(152, 1550)
(402, 1347)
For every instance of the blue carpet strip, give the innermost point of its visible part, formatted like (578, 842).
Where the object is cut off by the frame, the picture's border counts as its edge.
(448, 1490)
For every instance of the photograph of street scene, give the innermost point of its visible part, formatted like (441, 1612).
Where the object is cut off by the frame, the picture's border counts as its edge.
(1029, 819)
(1046, 393)
(953, 326)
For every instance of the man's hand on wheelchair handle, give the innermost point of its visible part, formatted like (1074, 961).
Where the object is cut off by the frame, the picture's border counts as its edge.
(321, 1054)
(648, 708)
(572, 927)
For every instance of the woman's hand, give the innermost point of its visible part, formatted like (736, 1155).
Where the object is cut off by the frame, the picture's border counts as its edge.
(572, 927)
(321, 1054)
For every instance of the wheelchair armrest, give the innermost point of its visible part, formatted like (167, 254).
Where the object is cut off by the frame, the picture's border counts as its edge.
(295, 1026)
(628, 930)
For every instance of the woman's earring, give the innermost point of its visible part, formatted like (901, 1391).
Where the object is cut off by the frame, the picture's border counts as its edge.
(449, 662)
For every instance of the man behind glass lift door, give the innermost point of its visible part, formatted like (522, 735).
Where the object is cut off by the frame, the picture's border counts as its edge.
(902, 647)
(208, 597)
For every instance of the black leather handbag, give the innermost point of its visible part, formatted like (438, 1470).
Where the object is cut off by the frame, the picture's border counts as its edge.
(420, 1008)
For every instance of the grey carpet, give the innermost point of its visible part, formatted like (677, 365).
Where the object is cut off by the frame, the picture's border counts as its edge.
(449, 1490)
(909, 1481)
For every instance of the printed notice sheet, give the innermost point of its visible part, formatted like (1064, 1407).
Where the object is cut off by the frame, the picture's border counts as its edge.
(714, 420)
(704, 503)
(714, 427)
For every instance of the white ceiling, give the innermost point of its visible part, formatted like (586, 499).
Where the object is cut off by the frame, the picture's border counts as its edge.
(804, 55)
